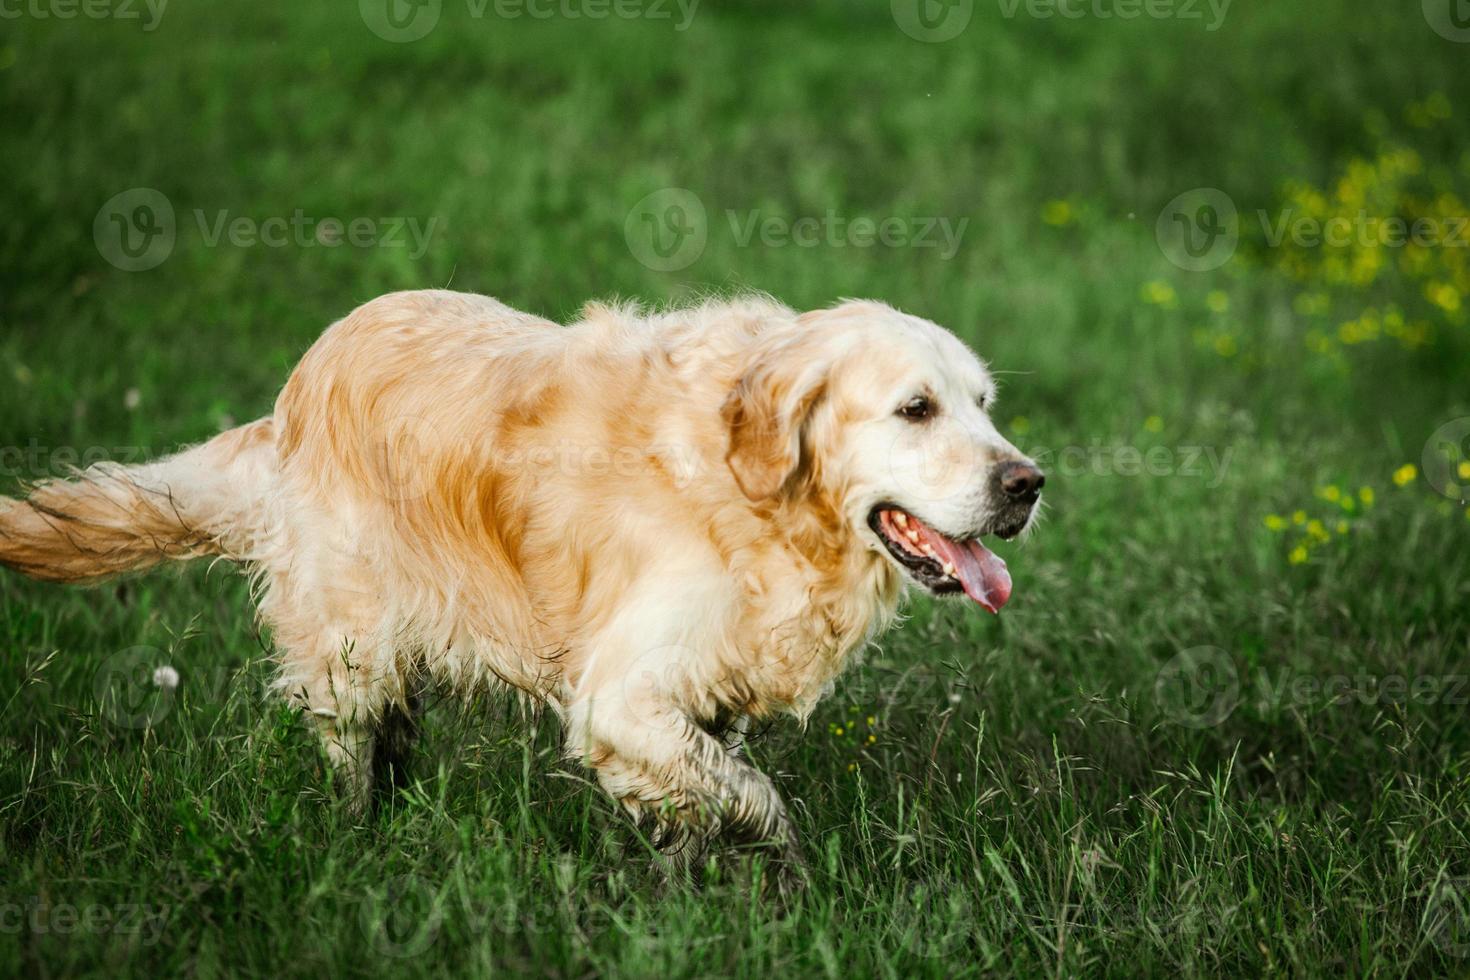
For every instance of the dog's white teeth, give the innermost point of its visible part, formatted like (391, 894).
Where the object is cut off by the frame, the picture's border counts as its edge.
(913, 536)
(901, 519)
(950, 570)
(930, 552)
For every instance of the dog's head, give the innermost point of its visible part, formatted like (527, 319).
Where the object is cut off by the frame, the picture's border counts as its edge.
(887, 416)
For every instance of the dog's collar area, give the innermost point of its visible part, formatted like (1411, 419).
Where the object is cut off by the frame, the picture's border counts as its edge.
(942, 564)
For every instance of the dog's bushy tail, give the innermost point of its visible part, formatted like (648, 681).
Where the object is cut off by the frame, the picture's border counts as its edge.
(209, 499)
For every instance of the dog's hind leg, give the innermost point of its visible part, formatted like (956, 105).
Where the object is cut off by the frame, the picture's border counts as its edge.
(397, 732)
(346, 692)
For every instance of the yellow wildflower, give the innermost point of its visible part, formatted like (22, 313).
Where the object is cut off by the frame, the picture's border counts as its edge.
(1058, 214)
(1218, 301)
(1330, 493)
(1226, 346)
(1443, 295)
(1404, 475)
(1342, 527)
(1275, 522)
(1153, 424)
(1316, 530)
(1464, 469)
(1298, 554)
(1366, 496)
(1159, 293)
(1299, 517)
(1020, 425)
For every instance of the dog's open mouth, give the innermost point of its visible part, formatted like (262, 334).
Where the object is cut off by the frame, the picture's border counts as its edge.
(943, 564)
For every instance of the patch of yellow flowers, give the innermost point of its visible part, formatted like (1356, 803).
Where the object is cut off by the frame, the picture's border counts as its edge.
(861, 729)
(1311, 532)
(1307, 532)
(1405, 221)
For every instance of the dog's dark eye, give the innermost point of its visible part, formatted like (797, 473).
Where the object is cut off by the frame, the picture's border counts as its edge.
(917, 409)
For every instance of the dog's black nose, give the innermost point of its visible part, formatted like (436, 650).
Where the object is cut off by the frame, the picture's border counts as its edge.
(1021, 481)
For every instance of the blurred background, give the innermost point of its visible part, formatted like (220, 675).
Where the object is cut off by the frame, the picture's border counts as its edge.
(1217, 252)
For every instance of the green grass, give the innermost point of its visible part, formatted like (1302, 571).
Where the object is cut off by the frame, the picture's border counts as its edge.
(1031, 803)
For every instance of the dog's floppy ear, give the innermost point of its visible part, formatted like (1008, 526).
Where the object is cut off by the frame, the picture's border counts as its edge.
(765, 412)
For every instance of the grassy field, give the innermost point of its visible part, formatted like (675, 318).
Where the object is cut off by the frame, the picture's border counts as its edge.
(1222, 729)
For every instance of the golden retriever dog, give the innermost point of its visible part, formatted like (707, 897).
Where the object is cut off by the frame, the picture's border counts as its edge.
(662, 526)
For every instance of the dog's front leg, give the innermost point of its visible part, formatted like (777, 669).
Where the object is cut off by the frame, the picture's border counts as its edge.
(659, 763)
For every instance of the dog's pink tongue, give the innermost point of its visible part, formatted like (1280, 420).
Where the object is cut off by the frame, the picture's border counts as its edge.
(980, 571)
